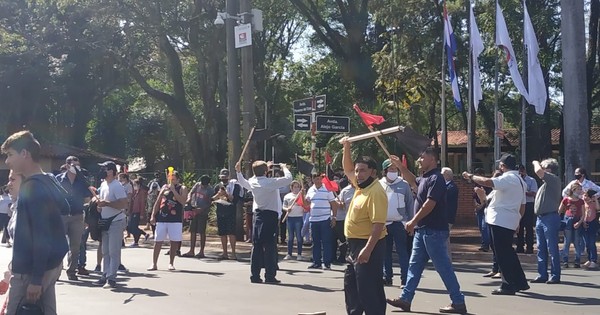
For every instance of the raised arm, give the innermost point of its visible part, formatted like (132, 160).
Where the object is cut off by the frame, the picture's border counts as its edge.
(347, 163)
(537, 168)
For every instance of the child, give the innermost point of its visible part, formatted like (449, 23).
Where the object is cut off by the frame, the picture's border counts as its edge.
(572, 207)
(4, 285)
(590, 228)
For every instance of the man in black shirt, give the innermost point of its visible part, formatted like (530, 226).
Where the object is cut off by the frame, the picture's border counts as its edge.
(39, 244)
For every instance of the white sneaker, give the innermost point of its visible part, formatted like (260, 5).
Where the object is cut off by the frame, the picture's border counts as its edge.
(592, 265)
(300, 258)
(587, 264)
(287, 257)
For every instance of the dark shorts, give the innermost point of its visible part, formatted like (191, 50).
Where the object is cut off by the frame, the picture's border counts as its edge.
(198, 224)
(226, 220)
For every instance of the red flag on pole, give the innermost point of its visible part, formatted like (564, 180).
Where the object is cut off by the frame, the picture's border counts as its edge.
(330, 185)
(369, 119)
(300, 201)
(328, 159)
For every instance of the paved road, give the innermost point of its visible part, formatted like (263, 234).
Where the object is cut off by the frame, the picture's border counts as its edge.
(214, 287)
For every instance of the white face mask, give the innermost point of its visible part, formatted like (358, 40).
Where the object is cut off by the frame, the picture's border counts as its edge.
(72, 169)
(392, 176)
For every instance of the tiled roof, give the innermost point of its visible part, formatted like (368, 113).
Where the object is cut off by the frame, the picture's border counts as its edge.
(458, 138)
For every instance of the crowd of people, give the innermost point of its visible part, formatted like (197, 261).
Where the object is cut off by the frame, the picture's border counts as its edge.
(358, 218)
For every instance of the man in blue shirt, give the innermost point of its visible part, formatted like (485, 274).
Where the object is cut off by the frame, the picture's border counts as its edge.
(430, 228)
(78, 194)
(39, 243)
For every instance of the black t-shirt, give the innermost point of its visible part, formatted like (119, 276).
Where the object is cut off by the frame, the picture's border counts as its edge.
(432, 185)
(170, 211)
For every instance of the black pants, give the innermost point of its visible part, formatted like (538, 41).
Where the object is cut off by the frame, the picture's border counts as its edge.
(525, 233)
(264, 244)
(338, 235)
(282, 230)
(4, 218)
(363, 284)
(513, 277)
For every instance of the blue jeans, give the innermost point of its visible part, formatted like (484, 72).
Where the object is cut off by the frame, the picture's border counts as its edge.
(589, 239)
(572, 236)
(322, 240)
(294, 228)
(546, 232)
(483, 229)
(430, 243)
(396, 235)
(83, 248)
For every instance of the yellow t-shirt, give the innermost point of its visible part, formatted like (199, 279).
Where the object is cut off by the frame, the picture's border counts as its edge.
(368, 206)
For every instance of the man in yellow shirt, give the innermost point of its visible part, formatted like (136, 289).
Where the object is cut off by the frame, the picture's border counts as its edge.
(365, 232)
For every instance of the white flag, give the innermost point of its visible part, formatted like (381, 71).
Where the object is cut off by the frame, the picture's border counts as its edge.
(476, 50)
(503, 41)
(536, 84)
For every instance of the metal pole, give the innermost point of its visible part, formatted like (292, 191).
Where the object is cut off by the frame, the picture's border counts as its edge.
(524, 101)
(470, 101)
(234, 142)
(444, 134)
(248, 84)
(496, 138)
(313, 133)
(265, 142)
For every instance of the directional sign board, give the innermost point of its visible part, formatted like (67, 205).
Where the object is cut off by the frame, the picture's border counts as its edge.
(302, 122)
(333, 124)
(305, 106)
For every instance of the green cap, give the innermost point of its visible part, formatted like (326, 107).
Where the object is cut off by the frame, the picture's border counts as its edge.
(386, 164)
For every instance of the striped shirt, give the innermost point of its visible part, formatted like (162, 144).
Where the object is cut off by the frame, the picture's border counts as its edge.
(320, 207)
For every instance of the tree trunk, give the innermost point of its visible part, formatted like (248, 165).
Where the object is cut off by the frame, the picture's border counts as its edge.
(575, 108)
(591, 72)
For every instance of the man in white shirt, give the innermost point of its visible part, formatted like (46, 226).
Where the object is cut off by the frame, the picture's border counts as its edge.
(265, 207)
(112, 201)
(322, 204)
(503, 215)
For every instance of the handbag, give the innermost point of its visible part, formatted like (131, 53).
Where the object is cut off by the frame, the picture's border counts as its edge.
(104, 224)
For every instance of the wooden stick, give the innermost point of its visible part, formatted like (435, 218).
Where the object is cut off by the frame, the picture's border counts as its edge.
(380, 142)
(246, 146)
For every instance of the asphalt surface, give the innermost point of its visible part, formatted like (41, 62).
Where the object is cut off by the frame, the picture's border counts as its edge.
(210, 286)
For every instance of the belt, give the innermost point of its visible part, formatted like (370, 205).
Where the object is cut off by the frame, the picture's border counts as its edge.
(545, 214)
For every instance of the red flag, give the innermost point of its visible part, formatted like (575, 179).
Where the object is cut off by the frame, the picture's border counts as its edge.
(330, 185)
(328, 159)
(404, 160)
(369, 119)
(300, 201)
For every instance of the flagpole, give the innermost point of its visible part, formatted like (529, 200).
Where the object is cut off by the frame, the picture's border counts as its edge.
(470, 101)
(523, 100)
(496, 138)
(444, 133)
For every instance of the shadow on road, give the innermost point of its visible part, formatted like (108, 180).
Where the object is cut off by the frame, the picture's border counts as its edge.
(137, 291)
(308, 287)
(438, 291)
(198, 272)
(566, 300)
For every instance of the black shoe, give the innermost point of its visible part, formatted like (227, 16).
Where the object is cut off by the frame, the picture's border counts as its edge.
(520, 250)
(524, 288)
(529, 251)
(538, 280)
(72, 277)
(256, 280)
(503, 292)
(399, 303)
(483, 249)
(576, 266)
(98, 268)
(122, 268)
(388, 282)
(565, 265)
(272, 281)
(553, 281)
(100, 282)
(314, 266)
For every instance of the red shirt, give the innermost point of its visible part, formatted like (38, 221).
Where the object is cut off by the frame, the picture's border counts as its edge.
(574, 208)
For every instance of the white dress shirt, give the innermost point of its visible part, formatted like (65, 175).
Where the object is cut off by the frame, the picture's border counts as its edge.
(503, 209)
(266, 190)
